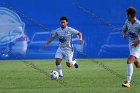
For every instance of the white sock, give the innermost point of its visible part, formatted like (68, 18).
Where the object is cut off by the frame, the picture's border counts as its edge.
(59, 69)
(73, 62)
(129, 72)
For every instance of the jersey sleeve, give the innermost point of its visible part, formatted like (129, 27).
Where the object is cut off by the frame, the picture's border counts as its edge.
(125, 28)
(74, 31)
(139, 28)
(54, 33)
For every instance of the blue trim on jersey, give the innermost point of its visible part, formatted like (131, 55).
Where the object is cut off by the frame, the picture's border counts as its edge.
(132, 35)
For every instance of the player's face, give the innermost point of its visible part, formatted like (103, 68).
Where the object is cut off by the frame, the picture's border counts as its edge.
(63, 23)
(129, 17)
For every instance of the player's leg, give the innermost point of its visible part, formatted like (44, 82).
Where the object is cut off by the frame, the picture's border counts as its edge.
(58, 57)
(130, 61)
(72, 63)
(69, 59)
(59, 67)
(69, 64)
(137, 63)
(134, 54)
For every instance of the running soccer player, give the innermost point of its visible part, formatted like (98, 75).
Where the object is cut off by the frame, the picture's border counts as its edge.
(65, 50)
(131, 29)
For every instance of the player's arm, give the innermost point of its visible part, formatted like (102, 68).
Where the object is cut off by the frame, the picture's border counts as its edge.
(125, 28)
(50, 40)
(80, 37)
(76, 32)
(124, 34)
(124, 31)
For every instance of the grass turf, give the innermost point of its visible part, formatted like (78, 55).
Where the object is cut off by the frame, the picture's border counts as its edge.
(92, 76)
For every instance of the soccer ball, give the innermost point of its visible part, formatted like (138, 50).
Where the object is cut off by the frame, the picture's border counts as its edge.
(54, 75)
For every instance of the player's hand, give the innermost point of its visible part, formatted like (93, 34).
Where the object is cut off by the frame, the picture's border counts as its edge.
(124, 35)
(81, 41)
(45, 46)
(136, 43)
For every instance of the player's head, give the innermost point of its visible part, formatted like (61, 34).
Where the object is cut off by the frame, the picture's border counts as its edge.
(131, 13)
(63, 21)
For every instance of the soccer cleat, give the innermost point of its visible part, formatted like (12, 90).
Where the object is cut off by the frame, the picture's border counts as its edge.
(126, 84)
(61, 76)
(76, 64)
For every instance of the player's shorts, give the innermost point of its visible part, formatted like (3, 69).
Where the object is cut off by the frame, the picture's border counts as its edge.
(135, 51)
(67, 54)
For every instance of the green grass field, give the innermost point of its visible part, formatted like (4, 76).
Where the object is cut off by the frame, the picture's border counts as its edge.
(92, 76)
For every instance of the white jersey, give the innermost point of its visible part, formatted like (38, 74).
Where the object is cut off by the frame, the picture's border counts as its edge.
(133, 30)
(65, 37)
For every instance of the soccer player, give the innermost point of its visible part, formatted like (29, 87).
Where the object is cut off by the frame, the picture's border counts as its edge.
(65, 50)
(131, 29)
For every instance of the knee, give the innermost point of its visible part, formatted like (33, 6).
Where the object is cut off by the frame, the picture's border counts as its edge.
(69, 65)
(138, 66)
(58, 61)
(129, 61)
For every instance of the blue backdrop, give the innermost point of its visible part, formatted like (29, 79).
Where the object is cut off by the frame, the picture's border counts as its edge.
(96, 19)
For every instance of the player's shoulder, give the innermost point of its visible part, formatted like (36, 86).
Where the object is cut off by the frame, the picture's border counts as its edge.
(126, 21)
(138, 21)
(70, 28)
(57, 29)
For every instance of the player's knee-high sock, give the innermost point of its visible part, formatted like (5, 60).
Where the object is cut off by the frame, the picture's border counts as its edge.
(129, 72)
(59, 69)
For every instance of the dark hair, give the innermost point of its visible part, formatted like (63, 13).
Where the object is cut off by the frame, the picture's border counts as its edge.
(64, 18)
(131, 11)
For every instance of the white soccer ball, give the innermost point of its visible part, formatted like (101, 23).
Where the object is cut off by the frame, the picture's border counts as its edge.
(54, 75)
